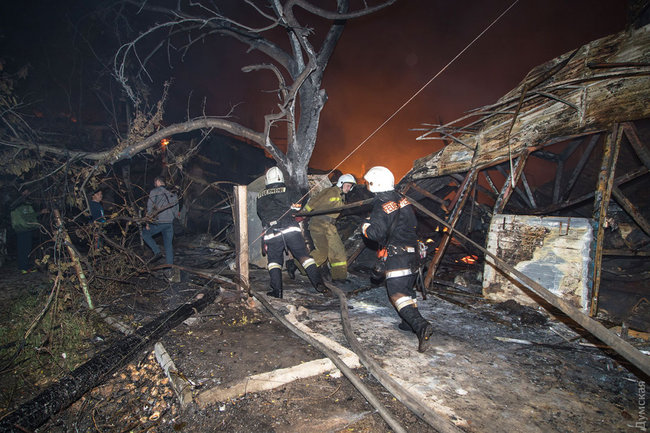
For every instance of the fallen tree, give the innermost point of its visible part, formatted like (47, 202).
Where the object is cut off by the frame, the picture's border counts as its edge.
(62, 394)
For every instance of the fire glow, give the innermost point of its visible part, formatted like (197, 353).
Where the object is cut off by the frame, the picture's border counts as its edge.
(470, 260)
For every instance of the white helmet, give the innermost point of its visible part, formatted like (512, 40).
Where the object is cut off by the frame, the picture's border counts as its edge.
(274, 175)
(346, 178)
(380, 179)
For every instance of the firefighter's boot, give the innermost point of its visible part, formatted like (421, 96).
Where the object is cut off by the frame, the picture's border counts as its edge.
(420, 326)
(404, 326)
(314, 275)
(275, 272)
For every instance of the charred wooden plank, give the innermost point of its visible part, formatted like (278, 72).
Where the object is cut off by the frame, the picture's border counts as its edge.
(579, 166)
(565, 204)
(641, 150)
(427, 194)
(611, 150)
(632, 210)
(460, 199)
(510, 185)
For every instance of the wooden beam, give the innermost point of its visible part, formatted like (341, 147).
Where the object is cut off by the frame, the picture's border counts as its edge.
(460, 200)
(529, 193)
(490, 182)
(581, 164)
(604, 187)
(571, 147)
(617, 182)
(480, 187)
(241, 224)
(508, 186)
(631, 210)
(546, 155)
(560, 167)
(427, 194)
(639, 148)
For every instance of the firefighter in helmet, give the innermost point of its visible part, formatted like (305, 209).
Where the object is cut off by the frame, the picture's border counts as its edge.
(327, 241)
(392, 225)
(276, 206)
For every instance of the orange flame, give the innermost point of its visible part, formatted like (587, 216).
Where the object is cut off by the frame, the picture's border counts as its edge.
(470, 260)
(164, 142)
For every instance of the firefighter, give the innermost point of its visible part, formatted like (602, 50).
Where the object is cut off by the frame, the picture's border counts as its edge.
(276, 206)
(327, 241)
(392, 225)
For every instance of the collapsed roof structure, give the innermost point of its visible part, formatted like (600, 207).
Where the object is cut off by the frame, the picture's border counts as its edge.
(580, 122)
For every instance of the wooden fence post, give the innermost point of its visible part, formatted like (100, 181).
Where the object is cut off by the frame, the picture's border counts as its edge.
(241, 224)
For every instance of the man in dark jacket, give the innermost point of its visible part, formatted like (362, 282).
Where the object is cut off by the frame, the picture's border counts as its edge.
(162, 206)
(276, 206)
(24, 221)
(96, 208)
(97, 215)
(392, 224)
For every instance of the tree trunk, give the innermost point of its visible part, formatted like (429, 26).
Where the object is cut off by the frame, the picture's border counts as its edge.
(62, 394)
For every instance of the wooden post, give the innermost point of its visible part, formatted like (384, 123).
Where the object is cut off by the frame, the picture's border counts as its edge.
(529, 193)
(560, 167)
(603, 194)
(241, 224)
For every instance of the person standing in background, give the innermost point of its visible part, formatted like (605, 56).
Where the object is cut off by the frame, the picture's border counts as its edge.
(162, 207)
(24, 220)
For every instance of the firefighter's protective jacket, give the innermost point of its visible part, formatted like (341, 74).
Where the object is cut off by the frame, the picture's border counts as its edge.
(277, 205)
(383, 213)
(328, 198)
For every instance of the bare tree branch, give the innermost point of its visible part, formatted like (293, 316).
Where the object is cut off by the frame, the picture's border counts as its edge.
(190, 125)
(323, 13)
(299, 70)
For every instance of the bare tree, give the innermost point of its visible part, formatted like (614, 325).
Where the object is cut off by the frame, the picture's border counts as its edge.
(298, 70)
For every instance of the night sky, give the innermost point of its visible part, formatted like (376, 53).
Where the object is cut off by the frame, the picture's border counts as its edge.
(368, 82)
(380, 62)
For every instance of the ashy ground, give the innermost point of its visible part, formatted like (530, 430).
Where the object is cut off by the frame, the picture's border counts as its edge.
(490, 367)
